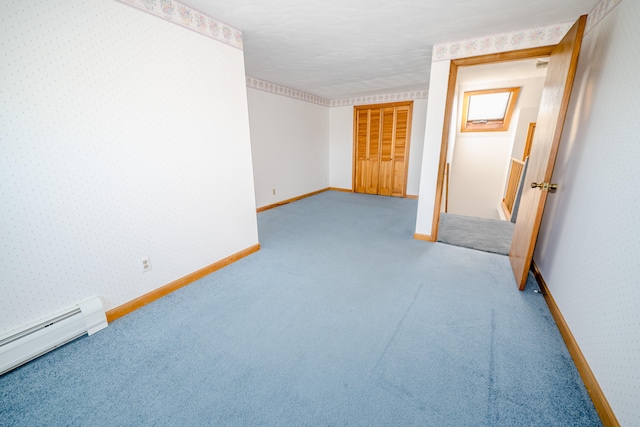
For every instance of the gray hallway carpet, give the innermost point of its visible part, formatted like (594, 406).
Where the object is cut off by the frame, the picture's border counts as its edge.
(489, 235)
(341, 319)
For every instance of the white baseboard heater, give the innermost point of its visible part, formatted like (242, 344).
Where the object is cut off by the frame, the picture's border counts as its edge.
(21, 345)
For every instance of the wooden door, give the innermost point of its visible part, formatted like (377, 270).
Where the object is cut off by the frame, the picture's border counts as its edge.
(387, 142)
(553, 109)
(400, 151)
(381, 148)
(367, 151)
(372, 186)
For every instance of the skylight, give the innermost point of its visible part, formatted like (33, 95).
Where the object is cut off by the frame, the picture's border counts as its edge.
(488, 110)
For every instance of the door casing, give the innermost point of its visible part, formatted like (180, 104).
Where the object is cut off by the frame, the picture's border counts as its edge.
(514, 55)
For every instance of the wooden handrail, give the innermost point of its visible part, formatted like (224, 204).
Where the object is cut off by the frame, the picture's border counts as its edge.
(446, 198)
(512, 186)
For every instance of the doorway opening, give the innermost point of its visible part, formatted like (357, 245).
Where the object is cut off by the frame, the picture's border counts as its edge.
(563, 63)
(482, 169)
(485, 165)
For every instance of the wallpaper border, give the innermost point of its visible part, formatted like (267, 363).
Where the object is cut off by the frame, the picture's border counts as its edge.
(191, 19)
(380, 99)
(265, 86)
(598, 13)
(502, 42)
(523, 39)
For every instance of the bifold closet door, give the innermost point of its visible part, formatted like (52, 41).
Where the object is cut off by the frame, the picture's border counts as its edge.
(368, 151)
(386, 152)
(400, 159)
(381, 149)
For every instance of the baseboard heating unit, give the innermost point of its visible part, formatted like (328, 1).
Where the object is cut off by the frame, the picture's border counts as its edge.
(21, 345)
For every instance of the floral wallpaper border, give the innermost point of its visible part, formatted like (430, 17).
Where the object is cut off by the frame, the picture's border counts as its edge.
(265, 86)
(378, 99)
(504, 42)
(524, 39)
(599, 12)
(276, 89)
(190, 18)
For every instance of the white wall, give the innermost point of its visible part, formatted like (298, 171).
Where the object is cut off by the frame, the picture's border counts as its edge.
(290, 145)
(588, 244)
(417, 143)
(477, 175)
(436, 103)
(526, 116)
(121, 136)
(480, 162)
(341, 146)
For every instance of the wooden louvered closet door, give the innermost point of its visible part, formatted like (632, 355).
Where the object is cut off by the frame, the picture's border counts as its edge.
(367, 151)
(381, 148)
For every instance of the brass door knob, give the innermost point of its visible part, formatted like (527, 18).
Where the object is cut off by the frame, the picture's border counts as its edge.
(544, 186)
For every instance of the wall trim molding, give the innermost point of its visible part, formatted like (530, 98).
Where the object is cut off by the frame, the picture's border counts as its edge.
(423, 237)
(380, 99)
(293, 199)
(128, 307)
(276, 89)
(344, 190)
(598, 13)
(265, 86)
(191, 19)
(503, 42)
(597, 395)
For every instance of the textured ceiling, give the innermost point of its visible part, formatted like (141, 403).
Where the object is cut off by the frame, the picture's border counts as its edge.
(338, 49)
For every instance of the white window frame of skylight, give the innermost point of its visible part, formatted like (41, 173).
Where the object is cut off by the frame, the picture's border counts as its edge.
(489, 123)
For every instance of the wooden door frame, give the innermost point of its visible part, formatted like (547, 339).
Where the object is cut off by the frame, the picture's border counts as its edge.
(492, 58)
(408, 142)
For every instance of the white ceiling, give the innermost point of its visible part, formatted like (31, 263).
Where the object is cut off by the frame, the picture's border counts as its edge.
(337, 49)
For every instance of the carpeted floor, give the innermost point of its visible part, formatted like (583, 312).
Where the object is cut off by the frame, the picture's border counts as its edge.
(341, 319)
(489, 235)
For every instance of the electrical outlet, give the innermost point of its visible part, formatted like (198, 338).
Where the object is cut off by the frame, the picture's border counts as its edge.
(273, 191)
(145, 265)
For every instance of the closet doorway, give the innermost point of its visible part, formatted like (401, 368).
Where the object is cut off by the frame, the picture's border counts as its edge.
(381, 135)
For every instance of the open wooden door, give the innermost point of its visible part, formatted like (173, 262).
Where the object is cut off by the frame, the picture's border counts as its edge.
(553, 110)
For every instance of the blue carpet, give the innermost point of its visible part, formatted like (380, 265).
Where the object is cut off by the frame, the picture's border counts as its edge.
(341, 319)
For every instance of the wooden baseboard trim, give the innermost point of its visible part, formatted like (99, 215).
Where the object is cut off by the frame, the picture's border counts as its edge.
(149, 297)
(293, 199)
(600, 401)
(424, 237)
(344, 190)
(411, 196)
